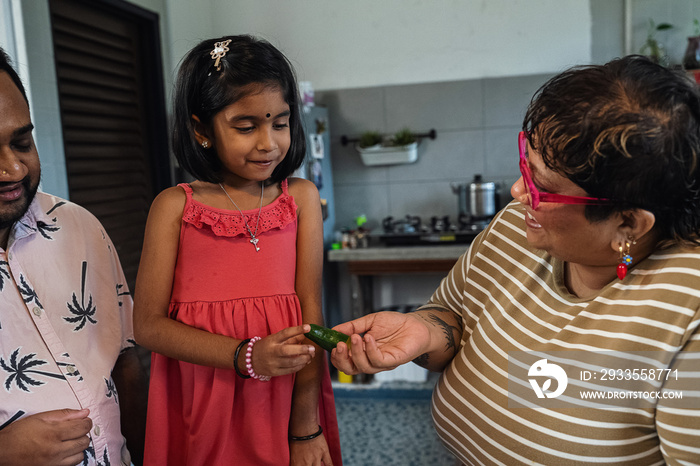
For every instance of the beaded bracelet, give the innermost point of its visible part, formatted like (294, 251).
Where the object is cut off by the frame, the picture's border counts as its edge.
(307, 437)
(235, 359)
(249, 361)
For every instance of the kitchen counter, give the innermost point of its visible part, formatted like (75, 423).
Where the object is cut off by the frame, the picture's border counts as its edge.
(398, 259)
(363, 263)
(452, 251)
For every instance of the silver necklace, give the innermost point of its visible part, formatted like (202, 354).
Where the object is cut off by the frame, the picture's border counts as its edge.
(253, 235)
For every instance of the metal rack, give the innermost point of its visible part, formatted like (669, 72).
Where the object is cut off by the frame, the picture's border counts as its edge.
(345, 140)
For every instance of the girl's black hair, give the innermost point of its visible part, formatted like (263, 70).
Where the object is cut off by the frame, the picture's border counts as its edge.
(628, 131)
(204, 91)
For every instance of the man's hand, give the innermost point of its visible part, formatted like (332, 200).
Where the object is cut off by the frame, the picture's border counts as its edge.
(51, 438)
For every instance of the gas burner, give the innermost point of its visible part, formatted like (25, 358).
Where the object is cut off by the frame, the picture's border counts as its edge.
(411, 230)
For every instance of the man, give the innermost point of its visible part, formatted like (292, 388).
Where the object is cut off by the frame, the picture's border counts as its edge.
(68, 369)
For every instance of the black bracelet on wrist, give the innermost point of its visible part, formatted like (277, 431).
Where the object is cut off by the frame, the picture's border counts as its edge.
(235, 359)
(307, 437)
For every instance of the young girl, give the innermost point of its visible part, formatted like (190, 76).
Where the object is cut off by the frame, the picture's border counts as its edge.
(230, 269)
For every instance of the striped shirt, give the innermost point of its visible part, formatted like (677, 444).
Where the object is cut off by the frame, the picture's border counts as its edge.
(511, 298)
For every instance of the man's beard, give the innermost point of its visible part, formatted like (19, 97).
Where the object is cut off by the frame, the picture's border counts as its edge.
(9, 214)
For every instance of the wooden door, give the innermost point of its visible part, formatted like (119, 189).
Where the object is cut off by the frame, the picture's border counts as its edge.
(110, 89)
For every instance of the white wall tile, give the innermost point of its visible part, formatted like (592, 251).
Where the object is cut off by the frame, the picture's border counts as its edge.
(453, 155)
(447, 106)
(501, 145)
(354, 111)
(506, 99)
(348, 168)
(353, 201)
(424, 199)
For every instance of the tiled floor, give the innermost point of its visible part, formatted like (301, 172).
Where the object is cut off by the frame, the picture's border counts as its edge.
(388, 425)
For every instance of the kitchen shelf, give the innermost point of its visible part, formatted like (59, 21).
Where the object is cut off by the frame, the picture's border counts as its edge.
(388, 155)
(381, 154)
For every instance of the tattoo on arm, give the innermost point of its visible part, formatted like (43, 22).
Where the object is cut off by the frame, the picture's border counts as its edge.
(423, 360)
(447, 329)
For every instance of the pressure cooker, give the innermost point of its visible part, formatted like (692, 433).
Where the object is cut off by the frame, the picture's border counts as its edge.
(477, 200)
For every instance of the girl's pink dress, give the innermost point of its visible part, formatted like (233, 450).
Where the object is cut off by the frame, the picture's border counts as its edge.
(200, 415)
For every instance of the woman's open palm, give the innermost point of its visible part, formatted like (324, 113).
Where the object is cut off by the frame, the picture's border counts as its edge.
(391, 339)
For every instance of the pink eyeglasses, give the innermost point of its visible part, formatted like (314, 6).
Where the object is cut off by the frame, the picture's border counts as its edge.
(534, 196)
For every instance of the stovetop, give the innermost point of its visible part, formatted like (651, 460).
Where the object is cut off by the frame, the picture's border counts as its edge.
(412, 230)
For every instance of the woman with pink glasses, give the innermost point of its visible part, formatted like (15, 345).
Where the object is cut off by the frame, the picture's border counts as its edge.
(568, 332)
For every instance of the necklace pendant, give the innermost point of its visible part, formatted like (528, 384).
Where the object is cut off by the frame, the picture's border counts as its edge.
(254, 240)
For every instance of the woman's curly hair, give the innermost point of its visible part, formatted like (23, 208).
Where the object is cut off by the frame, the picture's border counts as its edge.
(628, 131)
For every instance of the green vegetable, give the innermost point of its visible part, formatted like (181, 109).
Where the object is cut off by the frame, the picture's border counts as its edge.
(326, 338)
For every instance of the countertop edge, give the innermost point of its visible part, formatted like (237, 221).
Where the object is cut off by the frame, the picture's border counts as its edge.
(398, 253)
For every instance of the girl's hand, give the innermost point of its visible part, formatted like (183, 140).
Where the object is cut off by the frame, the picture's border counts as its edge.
(282, 353)
(312, 452)
(391, 339)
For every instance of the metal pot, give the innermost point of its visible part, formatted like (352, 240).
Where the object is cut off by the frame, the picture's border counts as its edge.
(477, 199)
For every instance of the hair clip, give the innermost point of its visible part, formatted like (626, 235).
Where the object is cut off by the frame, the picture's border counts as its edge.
(220, 49)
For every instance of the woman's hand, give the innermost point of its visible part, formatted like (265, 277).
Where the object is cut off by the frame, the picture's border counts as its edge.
(391, 339)
(281, 353)
(312, 452)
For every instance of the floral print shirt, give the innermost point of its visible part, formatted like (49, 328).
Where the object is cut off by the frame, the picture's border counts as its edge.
(65, 317)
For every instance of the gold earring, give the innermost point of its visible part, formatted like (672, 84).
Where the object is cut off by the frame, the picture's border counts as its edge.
(205, 144)
(4, 172)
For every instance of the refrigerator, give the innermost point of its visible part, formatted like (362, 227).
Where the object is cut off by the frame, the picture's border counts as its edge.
(317, 165)
(317, 168)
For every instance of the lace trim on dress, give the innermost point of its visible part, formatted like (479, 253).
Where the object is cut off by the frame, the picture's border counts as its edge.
(280, 213)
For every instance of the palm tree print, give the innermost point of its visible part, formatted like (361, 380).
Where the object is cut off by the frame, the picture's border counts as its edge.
(74, 372)
(71, 373)
(27, 226)
(4, 273)
(82, 313)
(111, 390)
(28, 294)
(90, 452)
(105, 459)
(21, 369)
(45, 229)
(120, 293)
(87, 454)
(14, 417)
(56, 206)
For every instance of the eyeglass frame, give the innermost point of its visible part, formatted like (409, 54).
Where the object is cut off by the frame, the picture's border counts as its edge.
(535, 197)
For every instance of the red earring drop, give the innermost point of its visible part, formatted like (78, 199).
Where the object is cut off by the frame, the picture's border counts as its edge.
(625, 261)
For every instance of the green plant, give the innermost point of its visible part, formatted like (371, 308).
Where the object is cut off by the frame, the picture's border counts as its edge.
(696, 27)
(403, 137)
(652, 48)
(370, 138)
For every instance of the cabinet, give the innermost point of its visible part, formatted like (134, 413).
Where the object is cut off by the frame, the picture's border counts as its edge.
(365, 263)
(362, 264)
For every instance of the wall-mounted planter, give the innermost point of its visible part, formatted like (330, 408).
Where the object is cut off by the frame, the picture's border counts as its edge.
(389, 155)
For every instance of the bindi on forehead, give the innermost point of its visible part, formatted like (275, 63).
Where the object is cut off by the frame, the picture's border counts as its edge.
(267, 115)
